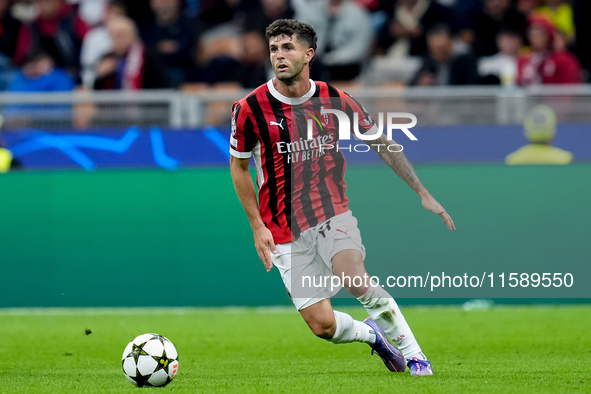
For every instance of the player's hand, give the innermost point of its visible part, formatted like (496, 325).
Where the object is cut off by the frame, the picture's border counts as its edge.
(431, 204)
(263, 242)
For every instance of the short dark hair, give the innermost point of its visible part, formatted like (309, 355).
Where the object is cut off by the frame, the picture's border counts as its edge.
(513, 29)
(34, 54)
(119, 4)
(439, 30)
(289, 27)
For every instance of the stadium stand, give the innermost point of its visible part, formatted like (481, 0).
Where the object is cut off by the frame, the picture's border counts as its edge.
(220, 53)
(371, 42)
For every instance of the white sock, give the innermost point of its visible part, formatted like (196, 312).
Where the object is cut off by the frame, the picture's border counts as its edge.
(385, 312)
(349, 330)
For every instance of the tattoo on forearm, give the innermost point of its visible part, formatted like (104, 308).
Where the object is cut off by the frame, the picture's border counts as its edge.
(398, 162)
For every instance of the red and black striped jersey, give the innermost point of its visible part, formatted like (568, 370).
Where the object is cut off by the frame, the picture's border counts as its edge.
(300, 180)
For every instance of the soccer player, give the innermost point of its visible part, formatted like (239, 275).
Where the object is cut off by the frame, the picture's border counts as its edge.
(301, 222)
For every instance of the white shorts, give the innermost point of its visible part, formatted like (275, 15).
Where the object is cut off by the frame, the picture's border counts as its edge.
(305, 264)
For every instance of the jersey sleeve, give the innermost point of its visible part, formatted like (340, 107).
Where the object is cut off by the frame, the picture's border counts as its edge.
(365, 123)
(243, 138)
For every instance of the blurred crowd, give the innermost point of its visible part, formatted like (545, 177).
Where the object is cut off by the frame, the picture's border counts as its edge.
(61, 45)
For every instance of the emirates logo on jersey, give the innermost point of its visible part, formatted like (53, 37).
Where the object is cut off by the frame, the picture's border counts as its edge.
(304, 149)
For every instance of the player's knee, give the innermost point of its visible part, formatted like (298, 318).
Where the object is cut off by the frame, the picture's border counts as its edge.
(323, 328)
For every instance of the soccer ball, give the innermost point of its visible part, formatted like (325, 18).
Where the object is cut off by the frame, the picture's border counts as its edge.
(150, 360)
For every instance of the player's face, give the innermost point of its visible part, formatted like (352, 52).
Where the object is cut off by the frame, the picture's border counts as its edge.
(289, 56)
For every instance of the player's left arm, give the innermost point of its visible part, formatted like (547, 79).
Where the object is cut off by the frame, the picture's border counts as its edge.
(398, 162)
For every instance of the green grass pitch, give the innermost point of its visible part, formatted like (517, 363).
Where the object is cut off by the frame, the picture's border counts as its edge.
(503, 349)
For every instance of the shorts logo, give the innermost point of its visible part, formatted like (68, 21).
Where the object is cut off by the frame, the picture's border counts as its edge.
(324, 228)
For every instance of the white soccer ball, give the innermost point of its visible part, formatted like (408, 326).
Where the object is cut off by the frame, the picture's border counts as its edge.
(150, 360)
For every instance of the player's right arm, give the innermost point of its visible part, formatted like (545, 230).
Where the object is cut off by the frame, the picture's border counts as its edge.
(242, 141)
(263, 239)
